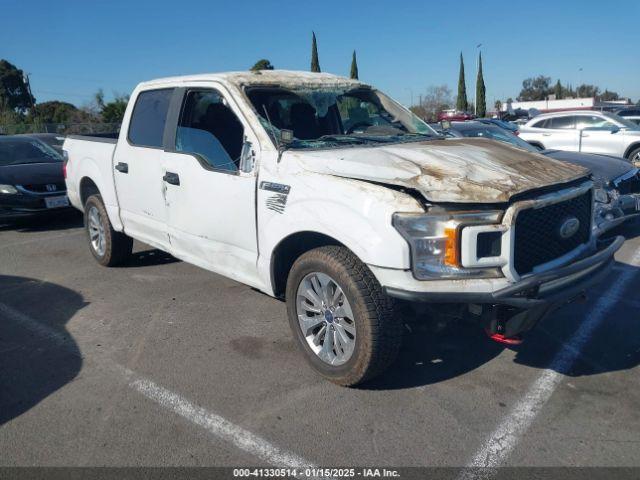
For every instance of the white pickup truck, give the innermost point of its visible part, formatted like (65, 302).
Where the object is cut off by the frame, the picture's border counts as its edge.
(327, 193)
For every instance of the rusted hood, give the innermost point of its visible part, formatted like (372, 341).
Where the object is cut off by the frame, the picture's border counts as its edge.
(469, 170)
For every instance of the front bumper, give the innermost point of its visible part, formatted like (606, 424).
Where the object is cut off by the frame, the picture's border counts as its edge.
(22, 205)
(543, 288)
(516, 308)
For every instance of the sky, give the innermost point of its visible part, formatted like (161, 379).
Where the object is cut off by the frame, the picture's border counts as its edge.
(72, 48)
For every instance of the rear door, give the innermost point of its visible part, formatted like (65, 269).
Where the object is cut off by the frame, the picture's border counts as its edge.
(560, 133)
(138, 168)
(211, 216)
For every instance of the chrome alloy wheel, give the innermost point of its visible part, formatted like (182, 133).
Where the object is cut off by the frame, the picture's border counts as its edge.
(636, 160)
(325, 318)
(96, 231)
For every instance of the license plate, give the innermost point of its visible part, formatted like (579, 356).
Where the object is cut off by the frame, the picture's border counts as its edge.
(56, 202)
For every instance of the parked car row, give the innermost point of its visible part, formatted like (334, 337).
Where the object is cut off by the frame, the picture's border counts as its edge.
(585, 131)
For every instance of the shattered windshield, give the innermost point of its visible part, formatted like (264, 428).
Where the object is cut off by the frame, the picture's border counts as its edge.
(333, 117)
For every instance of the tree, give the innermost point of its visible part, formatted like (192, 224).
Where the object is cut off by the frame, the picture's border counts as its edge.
(53, 112)
(586, 91)
(608, 96)
(481, 101)
(111, 112)
(558, 90)
(498, 106)
(437, 99)
(262, 64)
(537, 88)
(354, 67)
(315, 63)
(461, 101)
(14, 94)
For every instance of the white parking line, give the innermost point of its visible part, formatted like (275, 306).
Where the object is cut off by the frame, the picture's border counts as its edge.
(220, 427)
(213, 423)
(498, 446)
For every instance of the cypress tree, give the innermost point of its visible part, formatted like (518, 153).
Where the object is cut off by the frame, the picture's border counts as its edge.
(481, 101)
(461, 102)
(315, 64)
(558, 90)
(354, 67)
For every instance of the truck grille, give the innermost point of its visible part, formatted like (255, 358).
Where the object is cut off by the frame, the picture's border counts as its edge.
(58, 187)
(538, 238)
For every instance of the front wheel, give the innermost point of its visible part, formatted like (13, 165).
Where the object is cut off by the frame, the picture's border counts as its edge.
(342, 320)
(634, 157)
(109, 248)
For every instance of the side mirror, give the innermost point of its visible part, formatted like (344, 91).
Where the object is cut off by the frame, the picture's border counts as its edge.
(615, 129)
(247, 157)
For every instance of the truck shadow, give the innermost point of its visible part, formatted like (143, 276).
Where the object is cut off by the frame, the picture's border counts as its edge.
(613, 344)
(66, 220)
(38, 354)
(149, 258)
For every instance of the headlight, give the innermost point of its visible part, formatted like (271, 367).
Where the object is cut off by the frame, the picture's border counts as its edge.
(8, 190)
(600, 195)
(434, 240)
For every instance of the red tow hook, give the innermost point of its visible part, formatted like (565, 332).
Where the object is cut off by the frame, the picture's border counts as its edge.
(500, 338)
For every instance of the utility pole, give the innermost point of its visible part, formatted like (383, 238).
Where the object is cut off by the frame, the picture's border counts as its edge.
(411, 93)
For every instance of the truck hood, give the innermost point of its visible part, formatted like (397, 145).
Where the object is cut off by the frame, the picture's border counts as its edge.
(466, 170)
(604, 168)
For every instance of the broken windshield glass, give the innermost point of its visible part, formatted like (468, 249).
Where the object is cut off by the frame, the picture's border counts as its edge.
(336, 116)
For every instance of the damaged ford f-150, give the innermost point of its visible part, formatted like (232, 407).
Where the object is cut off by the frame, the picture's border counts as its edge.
(327, 193)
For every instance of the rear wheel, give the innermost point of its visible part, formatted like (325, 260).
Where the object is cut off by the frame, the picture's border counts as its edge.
(342, 320)
(109, 248)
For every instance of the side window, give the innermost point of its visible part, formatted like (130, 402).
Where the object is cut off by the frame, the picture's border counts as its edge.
(564, 123)
(593, 122)
(149, 117)
(210, 129)
(541, 124)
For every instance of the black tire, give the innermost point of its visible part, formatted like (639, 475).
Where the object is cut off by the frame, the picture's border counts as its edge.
(118, 246)
(378, 330)
(632, 155)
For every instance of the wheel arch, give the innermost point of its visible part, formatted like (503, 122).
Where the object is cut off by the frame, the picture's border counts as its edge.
(289, 249)
(631, 148)
(87, 188)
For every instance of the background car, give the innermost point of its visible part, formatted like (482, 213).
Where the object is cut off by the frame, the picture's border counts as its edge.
(510, 126)
(454, 114)
(632, 114)
(31, 177)
(617, 180)
(585, 131)
(54, 140)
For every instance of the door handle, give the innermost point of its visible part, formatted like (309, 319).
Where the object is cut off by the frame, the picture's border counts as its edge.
(546, 134)
(122, 167)
(171, 178)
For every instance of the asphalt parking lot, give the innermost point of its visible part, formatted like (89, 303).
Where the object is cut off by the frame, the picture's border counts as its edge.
(161, 363)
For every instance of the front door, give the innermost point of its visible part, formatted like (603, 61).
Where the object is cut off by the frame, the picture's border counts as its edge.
(210, 202)
(599, 135)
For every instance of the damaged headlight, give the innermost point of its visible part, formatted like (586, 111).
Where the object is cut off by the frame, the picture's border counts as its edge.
(8, 190)
(434, 240)
(601, 195)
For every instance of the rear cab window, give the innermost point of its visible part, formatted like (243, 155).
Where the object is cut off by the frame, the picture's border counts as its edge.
(149, 117)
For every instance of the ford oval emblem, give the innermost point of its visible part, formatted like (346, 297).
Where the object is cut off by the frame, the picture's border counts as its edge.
(569, 227)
